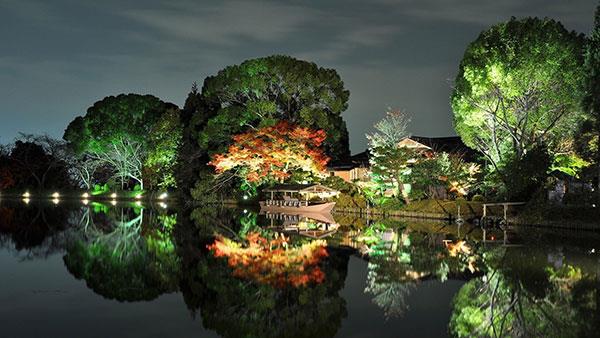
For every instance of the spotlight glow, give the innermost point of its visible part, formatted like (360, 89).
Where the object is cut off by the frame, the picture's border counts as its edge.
(163, 196)
(113, 195)
(163, 205)
(56, 195)
(113, 202)
(85, 202)
(55, 200)
(138, 203)
(26, 194)
(138, 196)
(85, 195)
(26, 200)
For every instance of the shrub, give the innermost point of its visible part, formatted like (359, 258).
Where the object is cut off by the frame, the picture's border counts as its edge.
(478, 198)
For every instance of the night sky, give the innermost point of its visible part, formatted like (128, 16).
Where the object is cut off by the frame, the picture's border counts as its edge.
(58, 57)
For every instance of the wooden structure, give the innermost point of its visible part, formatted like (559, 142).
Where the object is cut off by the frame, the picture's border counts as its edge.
(298, 198)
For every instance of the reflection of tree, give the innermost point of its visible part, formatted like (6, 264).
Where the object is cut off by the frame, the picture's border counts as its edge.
(399, 260)
(498, 304)
(36, 228)
(130, 259)
(273, 261)
(238, 307)
(390, 294)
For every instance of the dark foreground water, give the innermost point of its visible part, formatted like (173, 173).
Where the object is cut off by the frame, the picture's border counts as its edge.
(103, 270)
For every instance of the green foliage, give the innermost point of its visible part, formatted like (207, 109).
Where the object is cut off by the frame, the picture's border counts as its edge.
(568, 164)
(100, 189)
(588, 137)
(126, 132)
(163, 146)
(389, 167)
(478, 198)
(260, 92)
(523, 177)
(518, 87)
(128, 116)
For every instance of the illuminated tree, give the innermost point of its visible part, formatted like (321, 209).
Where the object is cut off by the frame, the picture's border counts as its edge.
(118, 132)
(389, 163)
(164, 140)
(589, 142)
(271, 154)
(263, 91)
(390, 130)
(518, 88)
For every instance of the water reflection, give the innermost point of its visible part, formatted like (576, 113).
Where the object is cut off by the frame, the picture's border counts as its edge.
(247, 274)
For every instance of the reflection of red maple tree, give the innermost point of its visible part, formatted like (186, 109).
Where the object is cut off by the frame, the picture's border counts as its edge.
(273, 262)
(272, 153)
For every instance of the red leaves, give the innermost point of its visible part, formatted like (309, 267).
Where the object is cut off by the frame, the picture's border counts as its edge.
(273, 153)
(273, 261)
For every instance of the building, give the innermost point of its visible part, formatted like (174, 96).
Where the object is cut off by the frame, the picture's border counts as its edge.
(357, 167)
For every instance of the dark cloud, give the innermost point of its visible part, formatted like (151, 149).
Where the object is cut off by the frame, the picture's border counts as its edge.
(59, 57)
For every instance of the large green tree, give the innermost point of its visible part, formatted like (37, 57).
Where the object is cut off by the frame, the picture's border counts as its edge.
(589, 142)
(518, 88)
(262, 91)
(121, 131)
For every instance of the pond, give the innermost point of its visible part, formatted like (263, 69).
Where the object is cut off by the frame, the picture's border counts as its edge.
(104, 270)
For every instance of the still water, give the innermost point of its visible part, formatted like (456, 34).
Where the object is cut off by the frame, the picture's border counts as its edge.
(102, 270)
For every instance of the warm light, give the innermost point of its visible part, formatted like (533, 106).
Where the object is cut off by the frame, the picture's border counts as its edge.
(26, 195)
(163, 196)
(56, 195)
(55, 201)
(138, 203)
(26, 200)
(113, 195)
(245, 197)
(113, 202)
(85, 202)
(163, 205)
(85, 195)
(138, 196)
(245, 211)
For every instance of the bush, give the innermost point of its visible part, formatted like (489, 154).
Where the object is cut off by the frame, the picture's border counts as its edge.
(478, 198)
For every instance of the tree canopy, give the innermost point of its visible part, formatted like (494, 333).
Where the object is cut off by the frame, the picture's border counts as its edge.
(272, 154)
(519, 87)
(262, 91)
(116, 129)
(588, 140)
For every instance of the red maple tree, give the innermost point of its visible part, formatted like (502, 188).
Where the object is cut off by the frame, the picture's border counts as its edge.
(273, 153)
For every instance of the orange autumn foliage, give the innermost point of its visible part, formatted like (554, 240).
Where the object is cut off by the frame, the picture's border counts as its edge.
(273, 153)
(273, 262)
